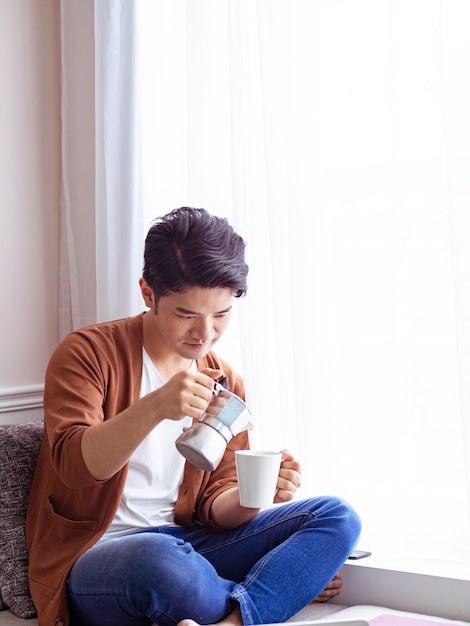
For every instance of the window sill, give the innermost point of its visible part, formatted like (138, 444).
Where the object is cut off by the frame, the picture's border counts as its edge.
(417, 586)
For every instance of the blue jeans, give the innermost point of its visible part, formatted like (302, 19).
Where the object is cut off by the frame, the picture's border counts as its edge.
(272, 567)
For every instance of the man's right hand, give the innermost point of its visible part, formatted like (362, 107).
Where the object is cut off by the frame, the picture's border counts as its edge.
(187, 393)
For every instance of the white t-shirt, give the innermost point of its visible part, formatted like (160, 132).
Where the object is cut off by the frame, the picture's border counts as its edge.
(155, 471)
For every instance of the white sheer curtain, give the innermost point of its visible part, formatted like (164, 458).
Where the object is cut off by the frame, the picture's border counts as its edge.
(335, 136)
(77, 271)
(102, 224)
(120, 227)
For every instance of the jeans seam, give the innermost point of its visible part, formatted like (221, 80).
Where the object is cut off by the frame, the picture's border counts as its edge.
(307, 514)
(240, 597)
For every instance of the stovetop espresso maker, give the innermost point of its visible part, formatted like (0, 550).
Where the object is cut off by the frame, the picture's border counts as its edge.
(203, 444)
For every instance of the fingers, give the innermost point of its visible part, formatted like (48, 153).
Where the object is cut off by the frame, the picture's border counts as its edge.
(331, 590)
(289, 462)
(195, 391)
(203, 389)
(289, 477)
(188, 393)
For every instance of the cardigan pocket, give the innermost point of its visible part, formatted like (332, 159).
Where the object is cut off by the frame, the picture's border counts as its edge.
(62, 539)
(67, 529)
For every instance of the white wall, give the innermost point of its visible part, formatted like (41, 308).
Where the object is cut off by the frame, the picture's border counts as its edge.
(30, 192)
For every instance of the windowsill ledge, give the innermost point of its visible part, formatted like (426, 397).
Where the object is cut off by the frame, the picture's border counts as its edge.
(430, 567)
(425, 586)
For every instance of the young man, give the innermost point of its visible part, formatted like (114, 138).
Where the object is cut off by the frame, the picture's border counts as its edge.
(120, 529)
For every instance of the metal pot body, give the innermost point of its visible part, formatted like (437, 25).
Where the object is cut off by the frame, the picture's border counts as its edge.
(204, 443)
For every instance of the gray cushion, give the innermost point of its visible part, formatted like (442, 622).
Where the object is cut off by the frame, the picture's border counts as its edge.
(19, 447)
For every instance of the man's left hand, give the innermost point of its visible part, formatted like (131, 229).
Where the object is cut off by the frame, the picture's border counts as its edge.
(289, 477)
(331, 590)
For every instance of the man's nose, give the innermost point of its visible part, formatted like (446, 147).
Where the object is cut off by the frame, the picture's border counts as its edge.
(202, 329)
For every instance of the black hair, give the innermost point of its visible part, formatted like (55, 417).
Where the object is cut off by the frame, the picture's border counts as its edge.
(188, 248)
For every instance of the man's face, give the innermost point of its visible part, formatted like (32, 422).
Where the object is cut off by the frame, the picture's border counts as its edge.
(190, 323)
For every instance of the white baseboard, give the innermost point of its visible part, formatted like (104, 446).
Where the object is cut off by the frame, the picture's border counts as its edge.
(21, 404)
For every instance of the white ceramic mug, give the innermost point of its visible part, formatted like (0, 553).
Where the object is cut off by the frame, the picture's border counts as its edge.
(257, 473)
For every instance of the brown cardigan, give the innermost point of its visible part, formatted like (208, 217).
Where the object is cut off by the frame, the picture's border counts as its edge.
(94, 374)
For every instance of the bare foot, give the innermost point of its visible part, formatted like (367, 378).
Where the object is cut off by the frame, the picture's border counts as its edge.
(234, 619)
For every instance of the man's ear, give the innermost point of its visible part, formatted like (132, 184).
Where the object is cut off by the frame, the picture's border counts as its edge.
(147, 293)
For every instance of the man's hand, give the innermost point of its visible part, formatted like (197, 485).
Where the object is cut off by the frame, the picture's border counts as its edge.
(186, 393)
(226, 511)
(331, 590)
(289, 477)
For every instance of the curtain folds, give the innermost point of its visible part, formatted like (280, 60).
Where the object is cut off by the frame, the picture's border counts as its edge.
(102, 224)
(335, 137)
(119, 219)
(77, 270)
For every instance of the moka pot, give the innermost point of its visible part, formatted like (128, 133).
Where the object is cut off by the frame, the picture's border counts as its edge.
(203, 444)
